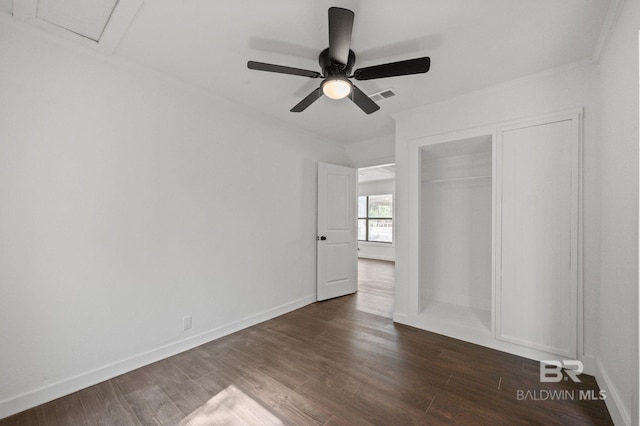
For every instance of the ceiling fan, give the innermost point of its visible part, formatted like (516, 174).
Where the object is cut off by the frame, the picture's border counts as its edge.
(337, 62)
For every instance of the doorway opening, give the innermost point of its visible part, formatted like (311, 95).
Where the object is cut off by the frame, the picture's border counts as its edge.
(376, 287)
(376, 242)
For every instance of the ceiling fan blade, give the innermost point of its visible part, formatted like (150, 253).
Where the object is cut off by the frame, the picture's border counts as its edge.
(340, 28)
(311, 98)
(363, 101)
(261, 66)
(393, 69)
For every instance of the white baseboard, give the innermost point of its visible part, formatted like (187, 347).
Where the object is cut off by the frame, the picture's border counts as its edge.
(69, 385)
(376, 257)
(401, 318)
(619, 414)
(589, 364)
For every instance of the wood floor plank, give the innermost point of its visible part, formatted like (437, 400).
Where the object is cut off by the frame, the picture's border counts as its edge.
(231, 407)
(402, 390)
(103, 404)
(193, 365)
(153, 407)
(321, 369)
(405, 370)
(186, 394)
(63, 411)
(338, 362)
(26, 418)
(446, 409)
(134, 381)
(341, 406)
(384, 408)
(277, 366)
(287, 403)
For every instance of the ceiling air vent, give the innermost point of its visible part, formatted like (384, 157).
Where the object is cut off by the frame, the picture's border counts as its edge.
(382, 95)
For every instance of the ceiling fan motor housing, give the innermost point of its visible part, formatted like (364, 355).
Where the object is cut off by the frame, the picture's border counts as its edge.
(335, 69)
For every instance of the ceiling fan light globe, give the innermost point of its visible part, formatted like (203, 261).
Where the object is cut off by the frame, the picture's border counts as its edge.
(336, 88)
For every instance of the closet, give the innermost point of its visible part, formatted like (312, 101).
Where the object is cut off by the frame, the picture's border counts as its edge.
(495, 238)
(456, 229)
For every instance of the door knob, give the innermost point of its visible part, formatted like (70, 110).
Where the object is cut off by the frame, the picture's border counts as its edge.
(322, 238)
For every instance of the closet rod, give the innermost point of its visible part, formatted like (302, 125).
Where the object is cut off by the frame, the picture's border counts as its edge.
(458, 179)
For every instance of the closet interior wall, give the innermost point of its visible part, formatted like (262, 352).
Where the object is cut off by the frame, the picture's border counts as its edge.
(456, 231)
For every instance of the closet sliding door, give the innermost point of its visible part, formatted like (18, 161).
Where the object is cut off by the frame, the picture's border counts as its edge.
(537, 234)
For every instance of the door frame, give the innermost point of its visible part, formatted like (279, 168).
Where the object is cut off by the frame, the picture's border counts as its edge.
(393, 219)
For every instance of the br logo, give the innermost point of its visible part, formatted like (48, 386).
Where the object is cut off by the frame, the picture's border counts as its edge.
(555, 371)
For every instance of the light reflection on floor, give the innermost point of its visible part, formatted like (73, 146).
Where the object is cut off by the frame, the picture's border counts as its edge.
(231, 407)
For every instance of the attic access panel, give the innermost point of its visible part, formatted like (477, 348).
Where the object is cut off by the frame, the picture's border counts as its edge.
(87, 18)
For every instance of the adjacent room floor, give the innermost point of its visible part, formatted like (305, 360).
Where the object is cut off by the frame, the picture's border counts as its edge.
(342, 361)
(376, 281)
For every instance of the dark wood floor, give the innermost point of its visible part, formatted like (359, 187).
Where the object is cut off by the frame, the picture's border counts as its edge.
(376, 283)
(342, 361)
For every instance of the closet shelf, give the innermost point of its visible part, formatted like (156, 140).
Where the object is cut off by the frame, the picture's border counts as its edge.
(458, 179)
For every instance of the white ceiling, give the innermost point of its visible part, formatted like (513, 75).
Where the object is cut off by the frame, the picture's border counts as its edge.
(86, 18)
(473, 44)
(376, 173)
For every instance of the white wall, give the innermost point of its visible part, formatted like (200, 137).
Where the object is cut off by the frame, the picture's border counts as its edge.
(129, 201)
(369, 250)
(549, 92)
(373, 152)
(618, 319)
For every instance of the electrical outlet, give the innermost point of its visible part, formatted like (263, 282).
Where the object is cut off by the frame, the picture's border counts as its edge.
(186, 322)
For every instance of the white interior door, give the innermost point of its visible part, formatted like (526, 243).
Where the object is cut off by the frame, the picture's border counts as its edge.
(337, 231)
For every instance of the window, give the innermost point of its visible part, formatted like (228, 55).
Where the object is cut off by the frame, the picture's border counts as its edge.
(375, 218)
